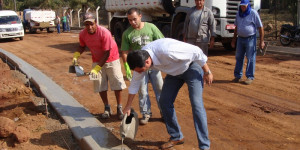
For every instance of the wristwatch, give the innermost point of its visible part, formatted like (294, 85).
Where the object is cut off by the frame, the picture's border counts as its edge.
(207, 73)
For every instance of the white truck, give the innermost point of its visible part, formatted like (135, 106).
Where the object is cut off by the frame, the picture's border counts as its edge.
(39, 19)
(169, 16)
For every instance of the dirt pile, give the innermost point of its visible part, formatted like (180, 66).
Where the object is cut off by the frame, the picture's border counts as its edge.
(23, 125)
(7, 127)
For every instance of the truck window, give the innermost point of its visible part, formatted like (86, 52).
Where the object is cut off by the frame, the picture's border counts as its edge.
(9, 20)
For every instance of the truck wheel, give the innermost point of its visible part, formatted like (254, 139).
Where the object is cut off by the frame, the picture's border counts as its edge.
(228, 47)
(119, 28)
(32, 30)
(166, 30)
(49, 30)
(179, 31)
(168, 6)
(21, 38)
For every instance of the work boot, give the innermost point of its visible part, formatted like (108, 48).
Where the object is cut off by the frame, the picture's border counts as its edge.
(107, 112)
(145, 119)
(237, 80)
(120, 112)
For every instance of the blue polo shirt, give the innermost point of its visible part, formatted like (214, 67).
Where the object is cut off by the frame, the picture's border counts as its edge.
(247, 26)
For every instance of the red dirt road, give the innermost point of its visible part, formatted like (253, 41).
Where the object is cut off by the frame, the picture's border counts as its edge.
(264, 115)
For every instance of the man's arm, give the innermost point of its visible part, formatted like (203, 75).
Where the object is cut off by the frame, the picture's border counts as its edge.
(261, 37)
(127, 108)
(234, 37)
(212, 29)
(104, 58)
(124, 56)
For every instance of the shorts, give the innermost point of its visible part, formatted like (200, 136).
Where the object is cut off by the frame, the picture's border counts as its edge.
(111, 72)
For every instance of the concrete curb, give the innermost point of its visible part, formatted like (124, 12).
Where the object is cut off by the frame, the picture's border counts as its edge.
(284, 50)
(89, 131)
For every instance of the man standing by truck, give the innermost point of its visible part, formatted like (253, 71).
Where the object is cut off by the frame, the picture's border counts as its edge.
(246, 22)
(199, 26)
(106, 64)
(134, 38)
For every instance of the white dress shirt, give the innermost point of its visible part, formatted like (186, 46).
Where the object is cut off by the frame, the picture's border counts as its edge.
(170, 56)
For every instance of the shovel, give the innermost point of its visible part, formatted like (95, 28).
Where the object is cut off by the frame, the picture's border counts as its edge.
(76, 69)
(262, 52)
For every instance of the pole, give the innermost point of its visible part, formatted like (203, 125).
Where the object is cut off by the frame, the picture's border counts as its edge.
(15, 5)
(79, 17)
(97, 14)
(276, 19)
(71, 17)
(298, 19)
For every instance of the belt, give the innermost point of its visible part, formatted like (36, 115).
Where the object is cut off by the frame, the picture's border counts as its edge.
(248, 36)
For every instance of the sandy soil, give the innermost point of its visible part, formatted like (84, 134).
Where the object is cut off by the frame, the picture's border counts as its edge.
(19, 103)
(264, 115)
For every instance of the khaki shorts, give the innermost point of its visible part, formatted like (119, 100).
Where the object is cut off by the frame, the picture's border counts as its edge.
(110, 72)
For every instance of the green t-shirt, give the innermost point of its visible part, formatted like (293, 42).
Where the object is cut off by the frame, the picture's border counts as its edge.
(133, 39)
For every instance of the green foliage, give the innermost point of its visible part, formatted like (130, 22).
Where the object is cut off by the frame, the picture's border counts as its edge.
(52, 4)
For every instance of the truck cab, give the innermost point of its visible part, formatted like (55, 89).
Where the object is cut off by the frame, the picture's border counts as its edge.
(10, 25)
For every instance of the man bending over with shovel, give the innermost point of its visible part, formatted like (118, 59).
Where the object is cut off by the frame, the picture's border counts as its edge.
(183, 63)
(106, 65)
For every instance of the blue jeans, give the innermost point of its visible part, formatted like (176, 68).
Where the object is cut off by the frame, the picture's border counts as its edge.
(157, 82)
(68, 26)
(193, 77)
(64, 26)
(58, 28)
(245, 46)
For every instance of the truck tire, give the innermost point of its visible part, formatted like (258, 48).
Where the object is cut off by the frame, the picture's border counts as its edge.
(179, 31)
(32, 30)
(228, 46)
(168, 6)
(50, 30)
(119, 28)
(21, 38)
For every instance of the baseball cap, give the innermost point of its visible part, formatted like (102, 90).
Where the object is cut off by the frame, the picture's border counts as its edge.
(244, 2)
(89, 17)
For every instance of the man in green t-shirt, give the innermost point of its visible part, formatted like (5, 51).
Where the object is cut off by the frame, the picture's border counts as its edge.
(135, 37)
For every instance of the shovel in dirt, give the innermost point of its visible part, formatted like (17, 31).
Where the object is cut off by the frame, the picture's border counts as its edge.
(76, 69)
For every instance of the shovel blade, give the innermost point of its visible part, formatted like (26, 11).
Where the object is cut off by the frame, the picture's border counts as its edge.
(79, 71)
(72, 69)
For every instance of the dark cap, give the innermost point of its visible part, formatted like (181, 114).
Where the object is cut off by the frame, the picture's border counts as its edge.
(89, 17)
(244, 2)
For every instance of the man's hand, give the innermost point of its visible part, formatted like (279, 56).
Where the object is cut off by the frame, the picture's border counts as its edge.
(261, 44)
(128, 72)
(75, 58)
(208, 78)
(233, 42)
(127, 110)
(95, 71)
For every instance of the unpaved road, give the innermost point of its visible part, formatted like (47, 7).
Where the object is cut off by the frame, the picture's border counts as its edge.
(264, 115)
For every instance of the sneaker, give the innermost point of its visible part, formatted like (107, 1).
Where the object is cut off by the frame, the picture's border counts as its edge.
(145, 119)
(107, 113)
(120, 113)
(248, 81)
(237, 80)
